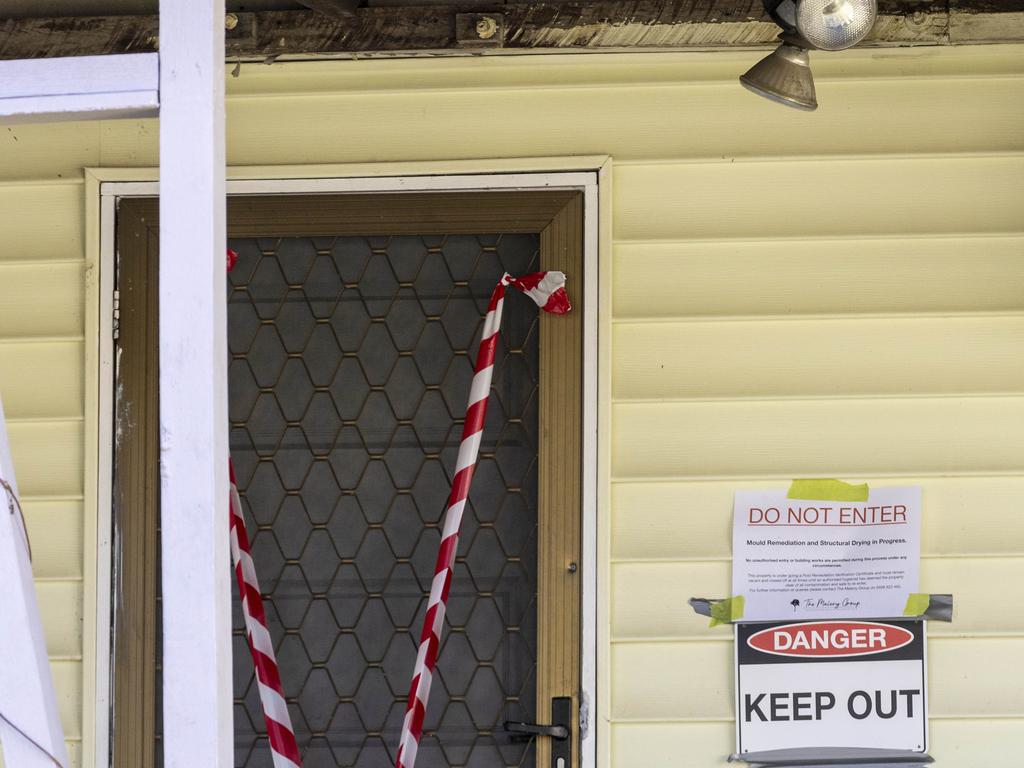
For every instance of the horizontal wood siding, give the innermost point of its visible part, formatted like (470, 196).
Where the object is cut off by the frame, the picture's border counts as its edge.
(41, 222)
(647, 122)
(967, 678)
(793, 438)
(856, 313)
(892, 196)
(968, 741)
(635, 108)
(835, 293)
(668, 520)
(860, 276)
(647, 604)
(905, 356)
(42, 377)
(55, 528)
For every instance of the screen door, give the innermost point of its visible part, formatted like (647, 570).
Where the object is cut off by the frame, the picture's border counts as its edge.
(353, 325)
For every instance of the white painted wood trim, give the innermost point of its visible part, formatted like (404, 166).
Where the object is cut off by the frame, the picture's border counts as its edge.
(347, 171)
(394, 184)
(596, 289)
(591, 490)
(602, 719)
(99, 515)
(387, 184)
(79, 88)
(195, 556)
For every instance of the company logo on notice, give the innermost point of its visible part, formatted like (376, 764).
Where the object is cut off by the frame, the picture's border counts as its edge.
(830, 638)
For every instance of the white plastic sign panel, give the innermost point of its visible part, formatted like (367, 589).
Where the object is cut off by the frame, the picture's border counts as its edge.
(30, 727)
(835, 683)
(797, 559)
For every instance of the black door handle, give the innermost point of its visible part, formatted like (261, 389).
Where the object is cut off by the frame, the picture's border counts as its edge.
(554, 731)
(560, 731)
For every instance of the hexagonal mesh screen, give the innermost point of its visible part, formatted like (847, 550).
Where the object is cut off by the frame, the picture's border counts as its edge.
(351, 359)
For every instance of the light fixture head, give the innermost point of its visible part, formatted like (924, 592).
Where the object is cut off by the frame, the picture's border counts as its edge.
(832, 25)
(784, 76)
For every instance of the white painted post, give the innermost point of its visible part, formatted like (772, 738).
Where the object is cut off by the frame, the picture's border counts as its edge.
(197, 708)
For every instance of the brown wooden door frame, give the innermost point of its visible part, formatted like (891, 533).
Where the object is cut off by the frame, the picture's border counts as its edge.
(556, 215)
(136, 488)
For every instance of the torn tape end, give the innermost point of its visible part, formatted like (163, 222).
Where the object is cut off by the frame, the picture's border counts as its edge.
(701, 605)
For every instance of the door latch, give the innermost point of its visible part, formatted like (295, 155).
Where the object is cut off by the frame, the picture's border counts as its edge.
(559, 731)
(554, 731)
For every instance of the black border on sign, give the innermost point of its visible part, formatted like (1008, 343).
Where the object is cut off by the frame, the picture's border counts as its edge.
(910, 651)
(922, 628)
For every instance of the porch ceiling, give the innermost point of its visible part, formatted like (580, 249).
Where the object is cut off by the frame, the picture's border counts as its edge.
(261, 29)
(36, 9)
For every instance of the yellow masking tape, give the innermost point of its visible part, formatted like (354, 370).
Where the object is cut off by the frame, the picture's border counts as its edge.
(727, 611)
(917, 604)
(827, 490)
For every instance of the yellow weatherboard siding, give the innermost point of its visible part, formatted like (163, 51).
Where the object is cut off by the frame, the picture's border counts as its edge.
(834, 294)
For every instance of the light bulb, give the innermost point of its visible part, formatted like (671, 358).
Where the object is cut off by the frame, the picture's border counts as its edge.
(832, 25)
(838, 14)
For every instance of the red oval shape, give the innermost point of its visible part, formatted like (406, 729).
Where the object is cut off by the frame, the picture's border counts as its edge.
(830, 638)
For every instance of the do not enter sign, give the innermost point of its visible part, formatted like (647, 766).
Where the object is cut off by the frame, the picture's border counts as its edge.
(831, 684)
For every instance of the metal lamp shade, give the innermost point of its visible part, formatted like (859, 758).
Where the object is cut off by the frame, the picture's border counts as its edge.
(783, 76)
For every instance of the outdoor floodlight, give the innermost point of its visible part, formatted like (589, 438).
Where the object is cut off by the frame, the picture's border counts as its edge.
(828, 25)
(784, 76)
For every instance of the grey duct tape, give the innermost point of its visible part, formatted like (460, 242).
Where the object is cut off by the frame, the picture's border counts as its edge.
(702, 605)
(820, 757)
(938, 608)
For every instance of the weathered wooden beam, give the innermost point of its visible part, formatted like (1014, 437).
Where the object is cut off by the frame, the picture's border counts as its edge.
(607, 25)
(337, 9)
(986, 21)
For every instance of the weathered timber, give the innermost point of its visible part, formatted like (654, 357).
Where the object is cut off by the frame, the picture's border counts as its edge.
(990, 21)
(337, 9)
(609, 25)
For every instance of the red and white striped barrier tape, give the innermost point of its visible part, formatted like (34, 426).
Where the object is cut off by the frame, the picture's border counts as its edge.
(283, 748)
(280, 733)
(547, 289)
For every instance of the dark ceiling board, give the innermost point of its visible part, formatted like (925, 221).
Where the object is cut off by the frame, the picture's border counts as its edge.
(651, 24)
(23, 9)
(336, 9)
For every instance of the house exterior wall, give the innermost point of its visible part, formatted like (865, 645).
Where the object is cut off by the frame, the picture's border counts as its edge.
(793, 294)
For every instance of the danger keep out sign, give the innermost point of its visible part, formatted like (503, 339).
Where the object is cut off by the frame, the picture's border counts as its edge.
(831, 684)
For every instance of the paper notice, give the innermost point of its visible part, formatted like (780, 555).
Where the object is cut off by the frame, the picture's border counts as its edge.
(800, 559)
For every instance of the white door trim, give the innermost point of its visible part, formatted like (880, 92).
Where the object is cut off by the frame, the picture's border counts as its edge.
(585, 181)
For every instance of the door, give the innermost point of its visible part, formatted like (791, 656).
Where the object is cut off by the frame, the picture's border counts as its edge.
(353, 323)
